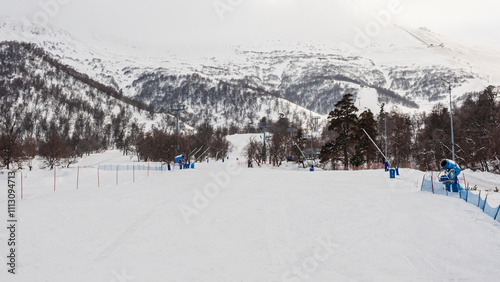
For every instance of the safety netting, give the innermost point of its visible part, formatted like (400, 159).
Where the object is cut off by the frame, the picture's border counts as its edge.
(131, 167)
(163, 167)
(472, 197)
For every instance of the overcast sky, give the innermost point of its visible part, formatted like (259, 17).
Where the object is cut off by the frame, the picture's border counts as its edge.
(232, 21)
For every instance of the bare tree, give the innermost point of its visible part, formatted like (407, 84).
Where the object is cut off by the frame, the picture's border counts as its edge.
(253, 152)
(53, 150)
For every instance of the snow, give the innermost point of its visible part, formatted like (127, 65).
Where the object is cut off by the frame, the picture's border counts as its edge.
(260, 224)
(367, 100)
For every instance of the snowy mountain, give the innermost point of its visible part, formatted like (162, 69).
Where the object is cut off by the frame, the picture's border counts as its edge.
(41, 96)
(239, 85)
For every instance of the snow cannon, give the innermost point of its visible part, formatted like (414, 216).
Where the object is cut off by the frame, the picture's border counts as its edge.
(450, 177)
(179, 160)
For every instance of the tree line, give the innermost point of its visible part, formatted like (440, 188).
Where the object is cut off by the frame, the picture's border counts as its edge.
(419, 140)
(423, 139)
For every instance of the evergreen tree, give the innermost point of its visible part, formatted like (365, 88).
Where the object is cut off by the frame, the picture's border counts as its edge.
(369, 124)
(357, 159)
(400, 138)
(344, 121)
(330, 152)
(382, 122)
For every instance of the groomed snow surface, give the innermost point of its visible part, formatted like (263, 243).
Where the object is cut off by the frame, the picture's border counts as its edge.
(225, 222)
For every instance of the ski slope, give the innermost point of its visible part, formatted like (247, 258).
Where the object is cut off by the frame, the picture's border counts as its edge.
(225, 222)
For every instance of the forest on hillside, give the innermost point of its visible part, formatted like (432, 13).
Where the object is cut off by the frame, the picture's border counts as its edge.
(423, 139)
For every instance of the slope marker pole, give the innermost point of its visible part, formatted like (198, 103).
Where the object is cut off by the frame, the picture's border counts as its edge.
(432, 181)
(422, 187)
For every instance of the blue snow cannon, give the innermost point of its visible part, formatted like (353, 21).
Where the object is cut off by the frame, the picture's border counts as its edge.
(179, 159)
(450, 177)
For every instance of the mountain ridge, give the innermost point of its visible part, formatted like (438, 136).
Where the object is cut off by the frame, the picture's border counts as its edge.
(313, 80)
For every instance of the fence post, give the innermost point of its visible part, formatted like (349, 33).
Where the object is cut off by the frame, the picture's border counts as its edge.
(432, 181)
(422, 187)
(98, 182)
(54, 178)
(498, 211)
(479, 200)
(77, 177)
(485, 201)
(467, 195)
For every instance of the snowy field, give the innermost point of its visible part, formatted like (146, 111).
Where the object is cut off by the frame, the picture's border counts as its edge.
(223, 222)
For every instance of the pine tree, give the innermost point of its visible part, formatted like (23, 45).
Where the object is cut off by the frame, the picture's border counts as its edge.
(369, 124)
(357, 159)
(344, 121)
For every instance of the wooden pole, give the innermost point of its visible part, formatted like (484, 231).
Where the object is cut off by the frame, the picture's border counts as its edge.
(485, 202)
(479, 200)
(432, 181)
(422, 187)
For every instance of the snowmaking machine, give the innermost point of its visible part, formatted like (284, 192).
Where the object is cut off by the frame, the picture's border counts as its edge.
(449, 175)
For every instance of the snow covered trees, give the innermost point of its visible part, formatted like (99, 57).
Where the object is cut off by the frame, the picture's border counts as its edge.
(40, 97)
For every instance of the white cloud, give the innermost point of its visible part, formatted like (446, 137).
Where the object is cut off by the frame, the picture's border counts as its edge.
(198, 22)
